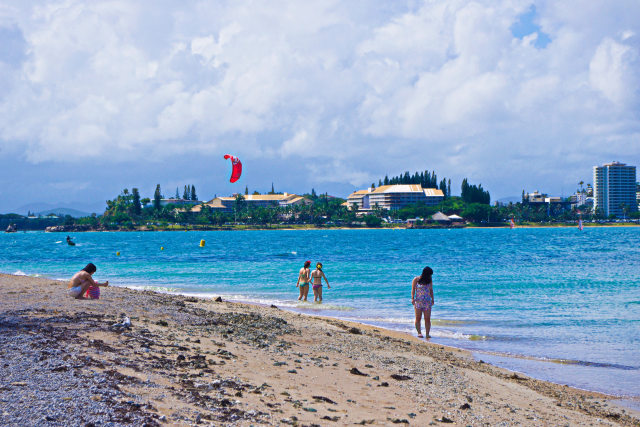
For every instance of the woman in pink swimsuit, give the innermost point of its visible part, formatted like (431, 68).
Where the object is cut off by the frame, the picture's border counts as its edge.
(317, 276)
(422, 299)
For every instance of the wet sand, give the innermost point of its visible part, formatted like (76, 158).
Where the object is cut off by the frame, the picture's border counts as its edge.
(188, 360)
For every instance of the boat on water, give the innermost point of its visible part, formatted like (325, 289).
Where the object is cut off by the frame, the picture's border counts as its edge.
(11, 228)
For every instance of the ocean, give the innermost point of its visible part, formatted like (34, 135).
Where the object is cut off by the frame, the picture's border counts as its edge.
(557, 304)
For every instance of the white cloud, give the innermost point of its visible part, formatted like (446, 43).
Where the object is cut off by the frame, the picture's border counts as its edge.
(438, 84)
(613, 70)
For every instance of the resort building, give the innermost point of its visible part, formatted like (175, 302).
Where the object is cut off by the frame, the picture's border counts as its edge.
(614, 187)
(225, 204)
(551, 202)
(393, 197)
(359, 200)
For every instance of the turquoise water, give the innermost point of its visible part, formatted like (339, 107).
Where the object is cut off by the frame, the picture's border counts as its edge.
(557, 304)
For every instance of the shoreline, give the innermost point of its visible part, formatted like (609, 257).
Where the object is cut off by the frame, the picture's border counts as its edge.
(188, 359)
(408, 335)
(167, 289)
(315, 228)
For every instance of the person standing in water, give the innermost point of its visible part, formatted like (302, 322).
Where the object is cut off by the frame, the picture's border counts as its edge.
(422, 299)
(317, 276)
(304, 277)
(82, 280)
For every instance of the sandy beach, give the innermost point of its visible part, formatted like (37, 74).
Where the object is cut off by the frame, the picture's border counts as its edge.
(186, 361)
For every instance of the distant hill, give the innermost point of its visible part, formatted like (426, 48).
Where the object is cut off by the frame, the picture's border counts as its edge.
(63, 212)
(57, 209)
(507, 200)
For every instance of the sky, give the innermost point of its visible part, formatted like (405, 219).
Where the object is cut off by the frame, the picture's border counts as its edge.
(100, 96)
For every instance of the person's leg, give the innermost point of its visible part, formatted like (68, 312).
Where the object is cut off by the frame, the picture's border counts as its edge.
(301, 292)
(320, 293)
(427, 322)
(315, 294)
(85, 288)
(306, 292)
(417, 323)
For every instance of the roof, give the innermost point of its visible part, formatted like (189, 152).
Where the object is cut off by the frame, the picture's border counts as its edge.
(398, 188)
(433, 192)
(455, 217)
(439, 216)
(359, 194)
(218, 202)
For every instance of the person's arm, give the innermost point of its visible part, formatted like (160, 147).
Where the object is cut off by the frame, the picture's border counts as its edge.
(431, 291)
(299, 276)
(106, 282)
(413, 290)
(325, 279)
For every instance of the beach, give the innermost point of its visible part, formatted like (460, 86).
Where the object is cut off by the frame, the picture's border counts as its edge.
(187, 360)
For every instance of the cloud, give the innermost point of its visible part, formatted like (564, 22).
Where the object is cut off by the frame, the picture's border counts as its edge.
(613, 70)
(442, 85)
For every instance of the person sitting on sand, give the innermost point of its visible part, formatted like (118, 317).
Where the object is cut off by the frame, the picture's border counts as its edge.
(303, 280)
(317, 276)
(82, 280)
(422, 299)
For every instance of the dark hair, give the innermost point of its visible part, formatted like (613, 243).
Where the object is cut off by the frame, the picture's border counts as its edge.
(319, 266)
(425, 277)
(90, 268)
(307, 264)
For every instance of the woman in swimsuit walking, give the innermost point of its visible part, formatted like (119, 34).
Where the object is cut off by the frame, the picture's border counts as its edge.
(317, 276)
(303, 280)
(422, 299)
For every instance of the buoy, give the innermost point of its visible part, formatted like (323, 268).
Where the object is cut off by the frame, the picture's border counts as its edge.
(162, 248)
(118, 253)
(202, 243)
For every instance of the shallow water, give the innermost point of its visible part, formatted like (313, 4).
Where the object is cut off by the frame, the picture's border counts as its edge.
(554, 303)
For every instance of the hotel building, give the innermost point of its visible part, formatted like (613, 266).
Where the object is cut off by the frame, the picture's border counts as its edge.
(225, 204)
(614, 186)
(393, 197)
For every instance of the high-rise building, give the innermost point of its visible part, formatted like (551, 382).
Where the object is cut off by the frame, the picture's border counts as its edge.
(614, 188)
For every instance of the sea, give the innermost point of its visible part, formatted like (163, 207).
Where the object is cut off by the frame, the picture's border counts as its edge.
(558, 304)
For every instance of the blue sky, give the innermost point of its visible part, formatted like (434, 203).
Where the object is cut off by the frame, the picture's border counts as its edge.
(105, 95)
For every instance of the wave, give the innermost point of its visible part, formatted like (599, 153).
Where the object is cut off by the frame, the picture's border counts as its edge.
(22, 273)
(576, 362)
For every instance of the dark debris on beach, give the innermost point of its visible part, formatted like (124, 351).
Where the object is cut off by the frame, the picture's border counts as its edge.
(56, 382)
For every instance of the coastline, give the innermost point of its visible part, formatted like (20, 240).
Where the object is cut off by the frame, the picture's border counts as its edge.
(315, 228)
(188, 359)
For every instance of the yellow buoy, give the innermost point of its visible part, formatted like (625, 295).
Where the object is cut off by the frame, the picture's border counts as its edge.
(202, 243)
(162, 248)
(118, 253)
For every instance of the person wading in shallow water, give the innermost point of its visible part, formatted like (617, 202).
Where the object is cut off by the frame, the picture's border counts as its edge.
(422, 300)
(303, 280)
(80, 282)
(317, 276)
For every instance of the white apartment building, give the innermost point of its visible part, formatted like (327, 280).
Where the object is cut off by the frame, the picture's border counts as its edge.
(392, 197)
(614, 186)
